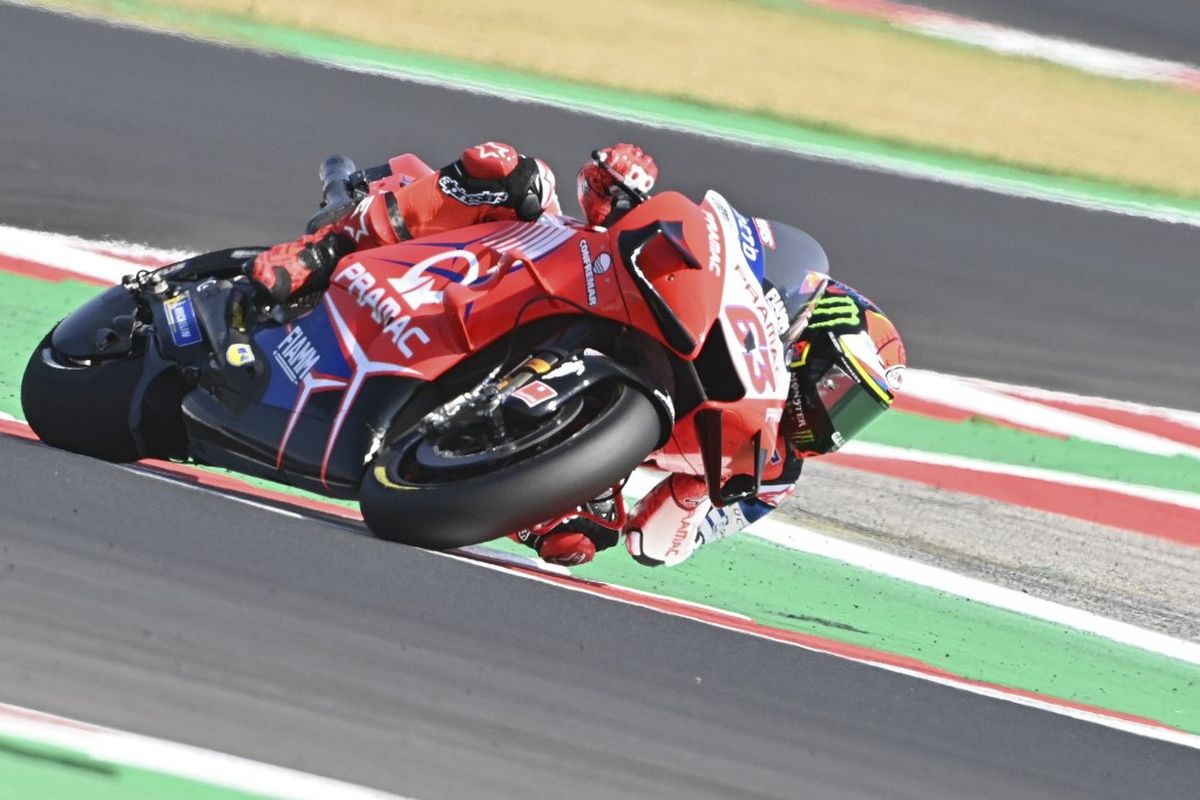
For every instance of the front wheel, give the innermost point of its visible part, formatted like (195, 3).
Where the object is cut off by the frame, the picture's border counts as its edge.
(83, 405)
(443, 491)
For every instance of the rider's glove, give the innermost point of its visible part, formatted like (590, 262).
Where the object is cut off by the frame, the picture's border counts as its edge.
(575, 541)
(616, 179)
(570, 544)
(285, 269)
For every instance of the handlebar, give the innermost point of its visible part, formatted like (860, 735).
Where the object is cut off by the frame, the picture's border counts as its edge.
(342, 184)
(335, 180)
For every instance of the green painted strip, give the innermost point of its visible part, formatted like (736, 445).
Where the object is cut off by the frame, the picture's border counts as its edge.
(31, 769)
(796, 591)
(821, 142)
(988, 441)
(28, 308)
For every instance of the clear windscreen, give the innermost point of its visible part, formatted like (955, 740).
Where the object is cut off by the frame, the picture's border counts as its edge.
(804, 298)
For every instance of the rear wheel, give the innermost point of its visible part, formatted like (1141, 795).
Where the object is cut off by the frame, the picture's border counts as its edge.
(459, 486)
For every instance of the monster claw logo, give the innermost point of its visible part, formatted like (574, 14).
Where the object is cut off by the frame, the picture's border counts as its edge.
(834, 311)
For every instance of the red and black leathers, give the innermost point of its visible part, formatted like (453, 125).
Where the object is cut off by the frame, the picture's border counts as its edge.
(490, 181)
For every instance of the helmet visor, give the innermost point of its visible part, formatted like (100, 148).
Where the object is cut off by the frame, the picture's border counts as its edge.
(849, 405)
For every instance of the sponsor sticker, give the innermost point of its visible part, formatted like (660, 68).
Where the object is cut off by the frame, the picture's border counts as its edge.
(716, 253)
(483, 197)
(239, 355)
(535, 393)
(750, 245)
(181, 319)
(765, 234)
(591, 268)
(296, 355)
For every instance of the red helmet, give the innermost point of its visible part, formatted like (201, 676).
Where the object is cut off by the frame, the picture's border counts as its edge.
(847, 365)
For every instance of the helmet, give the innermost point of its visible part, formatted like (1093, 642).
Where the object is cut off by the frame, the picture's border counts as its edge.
(845, 356)
(847, 364)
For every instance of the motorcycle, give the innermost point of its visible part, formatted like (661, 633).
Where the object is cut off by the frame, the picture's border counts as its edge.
(463, 386)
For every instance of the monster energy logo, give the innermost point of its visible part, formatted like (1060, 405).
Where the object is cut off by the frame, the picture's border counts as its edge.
(834, 311)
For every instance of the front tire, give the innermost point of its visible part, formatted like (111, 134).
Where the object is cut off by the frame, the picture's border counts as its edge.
(83, 406)
(409, 502)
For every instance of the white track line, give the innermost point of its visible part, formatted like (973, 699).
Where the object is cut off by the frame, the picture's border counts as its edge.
(1190, 419)
(1073, 53)
(193, 763)
(73, 254)
(988, 399)
(805, 540)
(892, 453)
(185, 484)
(809, 541)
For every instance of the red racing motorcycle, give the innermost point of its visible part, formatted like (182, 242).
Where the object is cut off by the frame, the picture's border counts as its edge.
(461, 386)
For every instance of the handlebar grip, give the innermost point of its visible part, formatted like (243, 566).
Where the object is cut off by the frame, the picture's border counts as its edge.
(335, 180)
(336, 191)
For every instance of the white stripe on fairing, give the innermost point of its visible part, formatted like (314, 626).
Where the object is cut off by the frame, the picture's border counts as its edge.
(957, 392)
(1049, 704)
(193, 763)
(890, 453)
(534, 241)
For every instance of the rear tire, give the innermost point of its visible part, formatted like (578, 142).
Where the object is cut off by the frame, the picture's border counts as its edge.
(439, 510)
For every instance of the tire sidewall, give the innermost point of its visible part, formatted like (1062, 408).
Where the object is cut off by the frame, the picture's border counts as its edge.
(487, 506)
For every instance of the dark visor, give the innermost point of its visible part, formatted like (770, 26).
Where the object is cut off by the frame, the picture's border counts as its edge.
(849, 405)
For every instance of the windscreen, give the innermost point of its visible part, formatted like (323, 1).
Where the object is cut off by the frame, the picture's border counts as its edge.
(796, 265)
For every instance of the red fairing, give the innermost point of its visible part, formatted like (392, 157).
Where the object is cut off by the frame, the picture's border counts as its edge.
(693, 294)
(422, 306)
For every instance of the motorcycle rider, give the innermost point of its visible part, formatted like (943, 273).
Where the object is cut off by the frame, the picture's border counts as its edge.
(489, 182)
(846, 363)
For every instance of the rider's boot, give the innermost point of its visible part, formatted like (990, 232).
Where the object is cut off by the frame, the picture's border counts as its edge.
(663, 526)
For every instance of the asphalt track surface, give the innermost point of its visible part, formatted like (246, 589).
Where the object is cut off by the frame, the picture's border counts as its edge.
(1167, 29)
(149, 606)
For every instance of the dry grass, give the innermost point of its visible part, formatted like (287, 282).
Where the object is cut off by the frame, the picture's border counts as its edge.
(801, 65)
